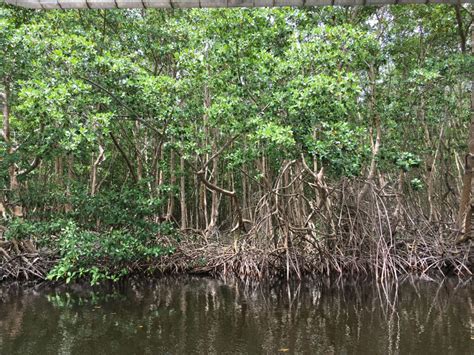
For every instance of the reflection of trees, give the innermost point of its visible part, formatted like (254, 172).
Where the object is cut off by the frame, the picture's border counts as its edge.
(13, 319)
(209, 316)
(18, 307)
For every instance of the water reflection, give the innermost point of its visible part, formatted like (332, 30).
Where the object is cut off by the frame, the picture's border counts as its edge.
(201, 316)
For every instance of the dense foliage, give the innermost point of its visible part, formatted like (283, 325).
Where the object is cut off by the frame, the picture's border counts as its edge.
(126, 132)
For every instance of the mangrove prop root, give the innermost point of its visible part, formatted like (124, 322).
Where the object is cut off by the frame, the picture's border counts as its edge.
(381, 236)
(20, 260)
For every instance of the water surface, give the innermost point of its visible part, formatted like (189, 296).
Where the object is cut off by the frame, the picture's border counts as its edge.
(204, 316)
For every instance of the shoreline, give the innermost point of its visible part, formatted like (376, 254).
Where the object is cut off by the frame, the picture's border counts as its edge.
(249, 262)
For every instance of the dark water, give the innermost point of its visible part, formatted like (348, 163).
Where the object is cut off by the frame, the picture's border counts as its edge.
(201, 316)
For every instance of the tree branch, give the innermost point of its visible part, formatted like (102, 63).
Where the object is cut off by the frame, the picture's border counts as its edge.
(124, 156)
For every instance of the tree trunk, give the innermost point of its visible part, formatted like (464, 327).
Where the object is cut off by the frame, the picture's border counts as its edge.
(203, 206)
(467, 195)
(138, 152)
(182, 194)
(70, 173)
(14, 186)
(95, 162)
(214, 198)
(375, 141)
(169, 213)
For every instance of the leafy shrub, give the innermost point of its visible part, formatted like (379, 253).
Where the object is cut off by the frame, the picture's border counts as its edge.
(101, 256)
(101, 238)
(42, 232)
(407, 161)
(130, 208)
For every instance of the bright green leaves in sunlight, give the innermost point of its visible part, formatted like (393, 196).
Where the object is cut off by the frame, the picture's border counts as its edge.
(280, 136)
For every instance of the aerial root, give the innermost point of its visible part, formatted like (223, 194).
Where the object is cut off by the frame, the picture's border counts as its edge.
(21, 260)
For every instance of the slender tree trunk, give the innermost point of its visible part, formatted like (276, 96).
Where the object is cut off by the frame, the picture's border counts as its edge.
(58, 177)
(245, 204)
(376, 141)
(214, 197)
(138, 152)
(58, 170)
(169, 213)
(93, 174)
(14, 186)
(203, 206)
(70, 175)
(463, 36)
(95, 162)
(197, 203)
(182, 194)
(124, 156)
(466, 205)
(159, 182)
(301, 193)
(207, 105)
(155, 161)
(232, 194)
